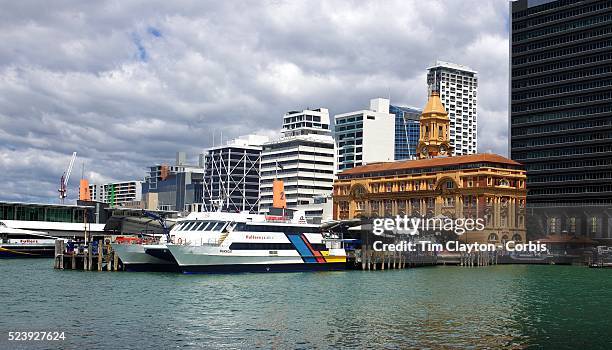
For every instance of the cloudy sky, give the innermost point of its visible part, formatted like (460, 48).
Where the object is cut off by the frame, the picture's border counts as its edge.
(126, 84)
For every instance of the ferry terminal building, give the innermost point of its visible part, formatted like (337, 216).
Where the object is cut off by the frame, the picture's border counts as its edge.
(486, 186)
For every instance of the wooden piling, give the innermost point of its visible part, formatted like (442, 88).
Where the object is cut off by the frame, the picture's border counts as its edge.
(109, 264)
(73, 260)
(116, 261)
(394, 260)
(100, 254)
(375, 260)
(62, 247)
(56, 254)
(90, 257)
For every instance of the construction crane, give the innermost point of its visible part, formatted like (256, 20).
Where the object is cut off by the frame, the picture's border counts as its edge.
(63, 190)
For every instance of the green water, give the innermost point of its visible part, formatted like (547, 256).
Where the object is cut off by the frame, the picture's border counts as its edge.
(549, 307)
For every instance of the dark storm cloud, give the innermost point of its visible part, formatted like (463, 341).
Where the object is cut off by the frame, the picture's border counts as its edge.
(127, 84)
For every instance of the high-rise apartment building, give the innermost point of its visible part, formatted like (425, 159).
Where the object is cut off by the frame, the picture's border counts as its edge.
(117, 193)
(231, 177)
(173, 187)
(406, 131)
(365, 136)
(458, 87)
(561, 111)
(304, 158)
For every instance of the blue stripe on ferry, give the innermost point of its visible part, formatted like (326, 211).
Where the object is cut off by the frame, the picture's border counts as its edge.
(301, 247)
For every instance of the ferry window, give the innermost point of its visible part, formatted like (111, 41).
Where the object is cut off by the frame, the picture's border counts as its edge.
(224, 225)
(205, 228)
(214, 226)
(199, 227)
(193, 227)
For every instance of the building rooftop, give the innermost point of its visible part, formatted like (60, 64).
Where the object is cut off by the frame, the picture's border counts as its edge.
(410, 109)
(450, 65)
(46, 205)
(430, 162)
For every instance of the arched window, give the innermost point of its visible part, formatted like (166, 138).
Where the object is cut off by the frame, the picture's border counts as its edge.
(492, 237)
(358, 191)
(517, 238)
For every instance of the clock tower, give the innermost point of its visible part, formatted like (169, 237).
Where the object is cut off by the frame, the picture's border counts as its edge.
(433, 136)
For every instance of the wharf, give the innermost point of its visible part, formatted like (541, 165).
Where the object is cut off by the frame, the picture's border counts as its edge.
(88, 257)
(369, 259)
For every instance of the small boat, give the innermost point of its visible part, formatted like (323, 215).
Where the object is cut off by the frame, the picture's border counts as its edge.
(18, 243)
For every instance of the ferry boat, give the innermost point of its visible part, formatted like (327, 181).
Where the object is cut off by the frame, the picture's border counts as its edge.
(18, 243)
(217, 242)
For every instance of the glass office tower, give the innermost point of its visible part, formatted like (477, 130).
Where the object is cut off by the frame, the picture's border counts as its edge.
(406, 131)
(561, 112)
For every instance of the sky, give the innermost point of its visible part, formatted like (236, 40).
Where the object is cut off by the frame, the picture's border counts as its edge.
(127, 84)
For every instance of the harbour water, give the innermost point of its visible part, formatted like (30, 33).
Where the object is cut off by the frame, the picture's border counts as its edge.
(438, 307)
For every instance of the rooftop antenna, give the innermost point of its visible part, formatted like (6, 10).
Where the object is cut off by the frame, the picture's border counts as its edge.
(435, 82)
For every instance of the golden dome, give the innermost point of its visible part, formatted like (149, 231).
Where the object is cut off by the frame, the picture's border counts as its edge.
(434, 105)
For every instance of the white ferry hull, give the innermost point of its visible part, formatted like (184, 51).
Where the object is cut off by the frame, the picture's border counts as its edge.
(210, 259)
(135, 258)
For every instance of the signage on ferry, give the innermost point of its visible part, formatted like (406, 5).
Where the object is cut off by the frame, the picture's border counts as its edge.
(258, 237)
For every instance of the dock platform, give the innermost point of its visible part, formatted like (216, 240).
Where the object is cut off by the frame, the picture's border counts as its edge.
(89, 257)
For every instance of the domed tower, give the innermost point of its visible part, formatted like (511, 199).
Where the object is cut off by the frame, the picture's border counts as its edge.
(433, 136)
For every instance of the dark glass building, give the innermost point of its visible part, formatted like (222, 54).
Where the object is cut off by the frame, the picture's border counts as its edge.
(406, 131)
(561, 111)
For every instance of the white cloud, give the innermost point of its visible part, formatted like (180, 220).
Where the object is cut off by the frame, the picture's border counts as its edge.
(127, 84)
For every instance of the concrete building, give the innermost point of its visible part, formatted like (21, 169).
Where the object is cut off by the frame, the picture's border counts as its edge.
(561, 113)
(406, 131)
(117, 193)
(231, 175)
(304, 158)
(365, 136)
(173, 187)
(458, 87)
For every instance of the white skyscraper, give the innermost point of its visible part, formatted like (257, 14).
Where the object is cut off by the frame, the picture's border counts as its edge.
(117, 193)
(304, 159)
(365, 136)
(458, 87)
